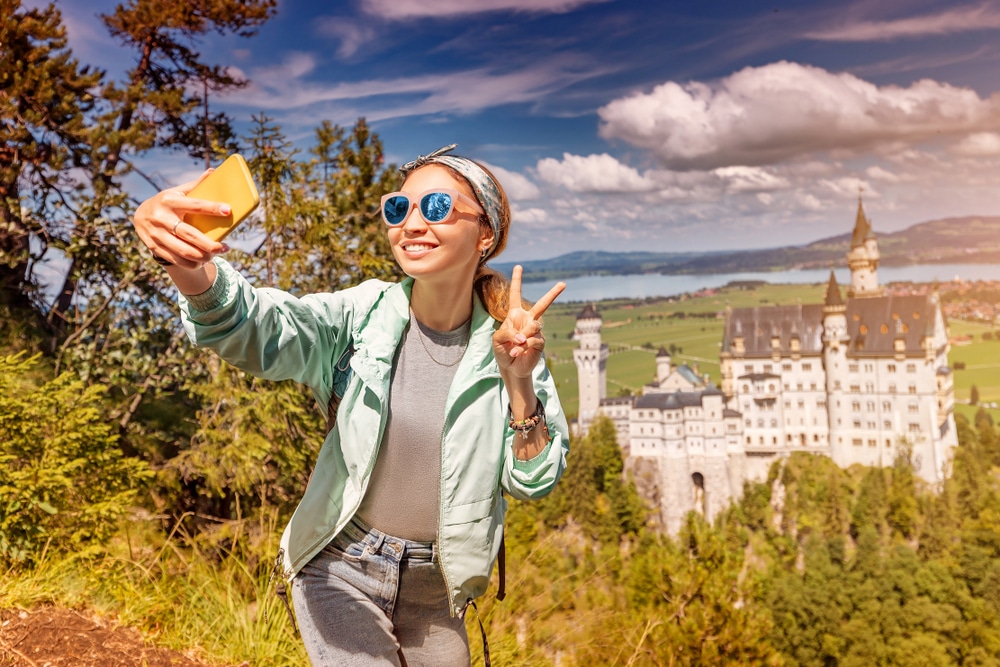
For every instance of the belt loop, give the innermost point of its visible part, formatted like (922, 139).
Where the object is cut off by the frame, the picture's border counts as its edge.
(375, 546)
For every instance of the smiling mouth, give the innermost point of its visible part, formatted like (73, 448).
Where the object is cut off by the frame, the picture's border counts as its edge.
(417, 247)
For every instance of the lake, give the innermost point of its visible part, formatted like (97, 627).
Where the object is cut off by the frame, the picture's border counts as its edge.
(596, 288)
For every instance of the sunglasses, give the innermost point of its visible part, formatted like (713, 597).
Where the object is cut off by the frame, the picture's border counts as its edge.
(435, 206)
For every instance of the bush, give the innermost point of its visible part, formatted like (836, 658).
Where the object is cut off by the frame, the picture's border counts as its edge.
(65, 483)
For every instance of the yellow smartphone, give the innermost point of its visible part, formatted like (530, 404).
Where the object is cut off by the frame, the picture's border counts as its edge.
(230, 183)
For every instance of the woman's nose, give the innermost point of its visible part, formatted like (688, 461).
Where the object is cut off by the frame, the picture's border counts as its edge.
(413, 220)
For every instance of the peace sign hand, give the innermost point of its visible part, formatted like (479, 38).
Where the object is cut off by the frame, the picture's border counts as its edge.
(518, 343)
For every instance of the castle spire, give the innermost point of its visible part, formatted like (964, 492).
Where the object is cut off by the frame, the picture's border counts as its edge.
(862, 226)
(832, 297)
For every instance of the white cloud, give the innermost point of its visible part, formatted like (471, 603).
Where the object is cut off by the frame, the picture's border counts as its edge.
(951, 21)
(530, 216)
(847, 187)
(879, 174)
(593, 173)
(290, 86)
(766, 115)
(981, 144)
(352, 34)
(517, 186)
(750, 179)
(412, 9)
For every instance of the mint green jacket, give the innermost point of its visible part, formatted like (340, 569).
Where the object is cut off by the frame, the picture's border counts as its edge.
(274, 335)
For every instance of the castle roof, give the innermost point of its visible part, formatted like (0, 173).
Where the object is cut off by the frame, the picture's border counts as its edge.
(758, 325)
(674, 400)
(589, 312)
(876, 323)
(662, 352)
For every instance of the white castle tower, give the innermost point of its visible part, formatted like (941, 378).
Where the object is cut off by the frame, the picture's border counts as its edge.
(863, 258)
(836, 342)
(591, 359)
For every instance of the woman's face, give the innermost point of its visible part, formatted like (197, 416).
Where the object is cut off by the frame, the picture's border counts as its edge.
(448, 250)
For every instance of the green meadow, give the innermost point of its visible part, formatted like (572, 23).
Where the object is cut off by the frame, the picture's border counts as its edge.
(635, 329)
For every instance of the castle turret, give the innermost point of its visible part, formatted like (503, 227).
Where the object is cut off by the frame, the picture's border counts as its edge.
(836, 341)
(591, 359)
(663, 365)
(863, 258)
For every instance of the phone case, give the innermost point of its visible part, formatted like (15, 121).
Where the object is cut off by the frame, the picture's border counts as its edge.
(232, 184)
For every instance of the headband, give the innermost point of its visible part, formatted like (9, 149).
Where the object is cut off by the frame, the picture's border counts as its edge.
(486, 189)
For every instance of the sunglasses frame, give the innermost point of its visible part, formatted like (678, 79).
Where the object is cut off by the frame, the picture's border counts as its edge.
(416, 199)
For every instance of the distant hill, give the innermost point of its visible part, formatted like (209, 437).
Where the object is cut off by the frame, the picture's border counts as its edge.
(966, 240)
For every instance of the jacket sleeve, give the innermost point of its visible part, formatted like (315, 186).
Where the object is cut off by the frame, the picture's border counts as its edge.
(536, 477)
(266, 332)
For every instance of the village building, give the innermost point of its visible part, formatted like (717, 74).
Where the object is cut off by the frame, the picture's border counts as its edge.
(851, 378)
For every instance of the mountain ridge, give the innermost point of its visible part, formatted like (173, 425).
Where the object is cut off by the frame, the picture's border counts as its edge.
(972, 239)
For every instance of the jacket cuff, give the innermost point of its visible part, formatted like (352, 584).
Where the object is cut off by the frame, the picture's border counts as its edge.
(214, 296)
(536, 461)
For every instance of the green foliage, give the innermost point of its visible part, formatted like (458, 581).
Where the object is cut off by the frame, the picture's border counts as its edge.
(65, 483)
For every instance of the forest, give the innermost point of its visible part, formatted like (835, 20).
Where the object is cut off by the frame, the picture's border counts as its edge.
(146, 481)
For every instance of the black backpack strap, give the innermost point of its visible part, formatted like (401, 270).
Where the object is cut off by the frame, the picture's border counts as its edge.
(502, 569)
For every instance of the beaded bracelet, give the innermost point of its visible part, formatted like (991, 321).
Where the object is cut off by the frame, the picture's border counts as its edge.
(528, 424)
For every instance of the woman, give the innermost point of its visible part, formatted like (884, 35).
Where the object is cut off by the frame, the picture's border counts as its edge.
(448, 401)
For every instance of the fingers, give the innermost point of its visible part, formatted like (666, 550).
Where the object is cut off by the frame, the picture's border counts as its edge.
(543, 304)
(514, 299)
(189, 186)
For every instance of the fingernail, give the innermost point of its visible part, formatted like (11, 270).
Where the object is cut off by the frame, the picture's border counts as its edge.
(520, 339)
(515, 352)
(225, 248)
(225, 209)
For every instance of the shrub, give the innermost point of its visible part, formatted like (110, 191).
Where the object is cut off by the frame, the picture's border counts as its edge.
(65, 483)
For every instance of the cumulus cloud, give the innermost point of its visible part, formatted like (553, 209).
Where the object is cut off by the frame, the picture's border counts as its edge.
(593, 173)
(769, 114)
(879, 174)
(951, 21)
(980, 144)
(517, 186)
(413, 9)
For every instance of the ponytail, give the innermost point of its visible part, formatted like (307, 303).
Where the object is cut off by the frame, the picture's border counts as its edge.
(493, 290)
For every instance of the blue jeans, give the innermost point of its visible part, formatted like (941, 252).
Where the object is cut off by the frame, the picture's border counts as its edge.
(372, 599)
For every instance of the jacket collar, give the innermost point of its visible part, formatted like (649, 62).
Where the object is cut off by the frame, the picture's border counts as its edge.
(377, 334)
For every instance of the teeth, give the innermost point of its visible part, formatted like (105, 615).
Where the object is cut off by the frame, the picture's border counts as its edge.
(417, 247)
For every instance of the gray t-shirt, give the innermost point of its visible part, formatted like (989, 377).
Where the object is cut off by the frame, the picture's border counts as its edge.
(403, 495)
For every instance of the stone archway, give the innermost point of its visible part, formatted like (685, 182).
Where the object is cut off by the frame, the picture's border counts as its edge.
(700, 502)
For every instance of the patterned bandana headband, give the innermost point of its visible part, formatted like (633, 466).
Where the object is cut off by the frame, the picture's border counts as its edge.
(485, 188)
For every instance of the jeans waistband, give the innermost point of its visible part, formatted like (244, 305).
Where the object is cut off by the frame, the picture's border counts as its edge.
(376, 540)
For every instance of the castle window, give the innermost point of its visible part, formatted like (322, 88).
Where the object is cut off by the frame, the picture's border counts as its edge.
(914, 428)
(786, 367)
(799, 386)
(869, 368)
(857, 423)
(911, 368)
(905, 329)
(913, 388)
(760, 423)
(748, 369)
(807, 367)
(767, 368)
(888, 442)
(892, 389)
(872, 442)
(815, 437)
(788, 404)
(856, 442)
(853, 368)
(891, 368)
(746, 389)
(770, 388)
(870, 406)
(802, 403)
(774, 440)
(870, 387)
(913, 408)
(883, 329)
(855, 388)
(856, 406)
(836, 384)
(863, 329)
(820, 403)
(887, 425)
(749, 442)
(886, 406)
(812, 386)
(774, 423)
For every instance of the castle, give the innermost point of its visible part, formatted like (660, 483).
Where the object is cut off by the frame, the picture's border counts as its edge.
(847, 378)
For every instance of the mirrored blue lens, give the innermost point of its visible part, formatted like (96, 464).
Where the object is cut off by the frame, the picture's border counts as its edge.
(435, 206)
(395, 209)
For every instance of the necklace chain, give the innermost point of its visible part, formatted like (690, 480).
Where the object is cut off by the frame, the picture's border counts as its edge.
(423, 344)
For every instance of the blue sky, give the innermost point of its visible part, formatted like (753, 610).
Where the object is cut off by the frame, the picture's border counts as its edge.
(661, 126)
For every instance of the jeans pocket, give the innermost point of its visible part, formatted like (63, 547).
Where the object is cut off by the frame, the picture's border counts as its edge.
(348, 549)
